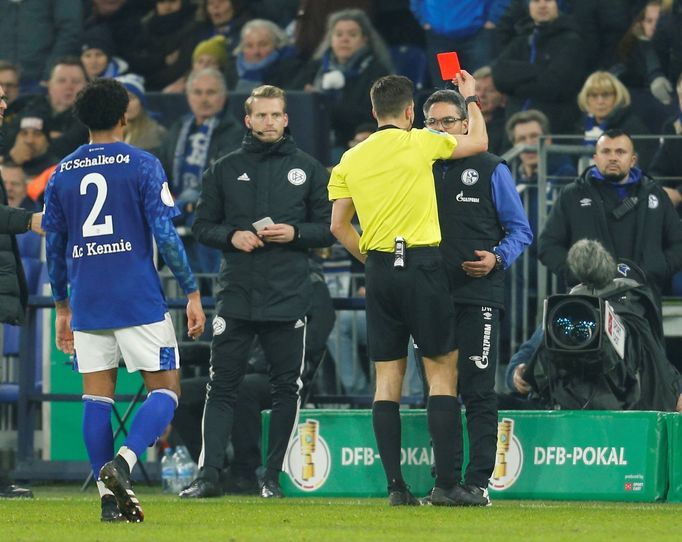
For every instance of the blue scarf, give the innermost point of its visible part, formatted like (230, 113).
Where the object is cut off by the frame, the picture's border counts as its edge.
(191, 153)
(256, 71)
(593, 130)
(353, 67)
(621, 189)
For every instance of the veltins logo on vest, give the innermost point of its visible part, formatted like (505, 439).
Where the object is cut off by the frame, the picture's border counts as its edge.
(308, 461)
(509, 460)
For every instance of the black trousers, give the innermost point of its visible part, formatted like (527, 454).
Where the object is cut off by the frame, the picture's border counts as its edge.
(283, 345)
(253, 397)
(477, 331)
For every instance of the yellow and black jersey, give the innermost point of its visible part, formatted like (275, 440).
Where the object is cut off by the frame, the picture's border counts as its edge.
(389, 178)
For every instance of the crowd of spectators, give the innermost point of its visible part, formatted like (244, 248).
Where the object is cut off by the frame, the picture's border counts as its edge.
(560, 67)
(529, 55)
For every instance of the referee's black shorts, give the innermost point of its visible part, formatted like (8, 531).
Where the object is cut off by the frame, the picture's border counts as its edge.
(414, 300)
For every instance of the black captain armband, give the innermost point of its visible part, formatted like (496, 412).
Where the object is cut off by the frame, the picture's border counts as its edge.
(473, 100)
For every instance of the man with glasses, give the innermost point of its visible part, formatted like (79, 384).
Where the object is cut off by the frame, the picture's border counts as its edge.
(484, 229)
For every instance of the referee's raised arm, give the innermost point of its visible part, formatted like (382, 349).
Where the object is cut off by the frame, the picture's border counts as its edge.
(476, 139)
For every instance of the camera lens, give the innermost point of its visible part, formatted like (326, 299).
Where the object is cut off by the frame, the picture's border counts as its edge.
(573, 324)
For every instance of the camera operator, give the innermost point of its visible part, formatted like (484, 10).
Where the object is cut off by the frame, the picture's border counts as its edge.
(578, 376)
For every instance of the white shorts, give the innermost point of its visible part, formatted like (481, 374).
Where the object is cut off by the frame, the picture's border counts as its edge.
(149, 347)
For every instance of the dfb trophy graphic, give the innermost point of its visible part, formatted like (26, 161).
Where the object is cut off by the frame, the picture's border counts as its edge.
(308, 461)
(308, 432)
(504, 432)
(509, 460)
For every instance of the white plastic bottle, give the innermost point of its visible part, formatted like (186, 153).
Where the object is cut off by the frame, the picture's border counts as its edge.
(169, 472)
(186, 467)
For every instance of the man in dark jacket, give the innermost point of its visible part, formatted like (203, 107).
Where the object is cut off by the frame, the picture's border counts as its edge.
(601, 26)
(543, 66)
(615, 203)
(13, 290)
(484, 229)
(264, 206)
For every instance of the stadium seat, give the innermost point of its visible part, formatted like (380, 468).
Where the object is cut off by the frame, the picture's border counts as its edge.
(10, 340)
(29, 245)
(9, 391)
(32, 269)
(410, 61)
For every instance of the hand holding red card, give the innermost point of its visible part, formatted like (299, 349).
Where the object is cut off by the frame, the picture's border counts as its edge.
(449, 65)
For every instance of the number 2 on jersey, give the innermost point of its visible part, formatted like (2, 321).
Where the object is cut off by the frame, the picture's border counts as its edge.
(90, 229)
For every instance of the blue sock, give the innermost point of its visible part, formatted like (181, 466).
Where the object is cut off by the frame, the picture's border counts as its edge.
(97, 432)
(151, 420)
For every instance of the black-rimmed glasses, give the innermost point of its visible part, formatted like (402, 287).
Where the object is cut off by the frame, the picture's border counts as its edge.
(445, 122)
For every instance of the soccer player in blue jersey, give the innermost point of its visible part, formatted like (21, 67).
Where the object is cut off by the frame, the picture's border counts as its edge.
(103, 204)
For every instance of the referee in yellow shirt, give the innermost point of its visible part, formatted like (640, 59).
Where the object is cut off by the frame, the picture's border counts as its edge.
(387, 179)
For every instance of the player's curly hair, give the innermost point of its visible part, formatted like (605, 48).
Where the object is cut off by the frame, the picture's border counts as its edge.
(101, 104)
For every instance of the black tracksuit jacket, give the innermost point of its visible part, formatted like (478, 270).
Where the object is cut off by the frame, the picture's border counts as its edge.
(261, 180)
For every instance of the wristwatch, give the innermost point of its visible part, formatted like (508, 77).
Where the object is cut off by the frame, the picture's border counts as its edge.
(472, 99)
(500, 263)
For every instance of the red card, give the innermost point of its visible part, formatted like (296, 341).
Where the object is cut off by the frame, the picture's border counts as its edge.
(449, 65)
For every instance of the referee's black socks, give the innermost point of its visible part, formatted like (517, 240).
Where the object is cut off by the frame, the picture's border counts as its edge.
(386, 422)
(444, 417)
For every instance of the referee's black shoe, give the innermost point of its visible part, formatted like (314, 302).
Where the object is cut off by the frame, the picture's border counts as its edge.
(270, 489)
(116, 477)
(201, 488)
(400, 495)
(459, 495)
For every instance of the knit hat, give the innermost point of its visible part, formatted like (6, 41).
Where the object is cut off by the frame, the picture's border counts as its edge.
(215, 47)
(134, 84)
(98, 37)
(35, 121)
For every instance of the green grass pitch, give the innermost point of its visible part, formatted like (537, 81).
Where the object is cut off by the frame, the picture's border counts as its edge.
(64, 514)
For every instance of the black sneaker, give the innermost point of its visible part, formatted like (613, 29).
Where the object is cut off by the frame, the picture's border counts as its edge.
(270, 490)
(11, 491)
(481, 493)
(201, 488)
(459, 496)
(426, 501)
(110, 511)
(116, 477)
(401, 496)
